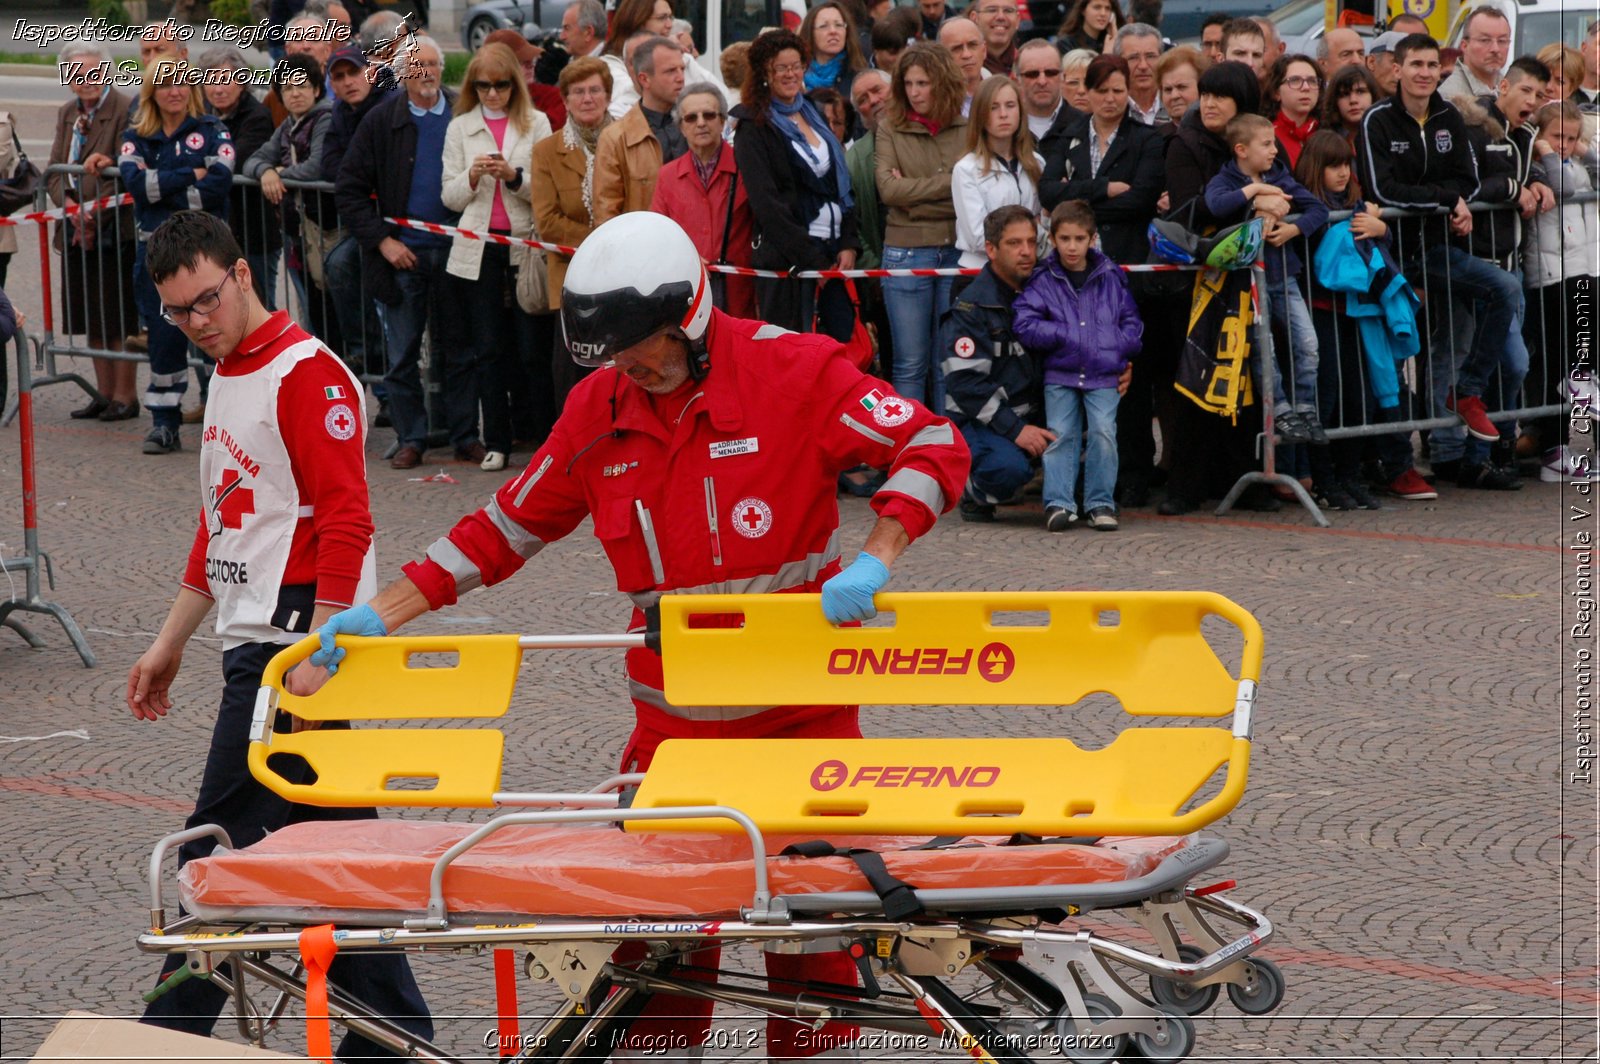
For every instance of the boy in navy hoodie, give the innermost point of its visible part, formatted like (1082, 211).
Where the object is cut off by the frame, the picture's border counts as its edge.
(1256, 171)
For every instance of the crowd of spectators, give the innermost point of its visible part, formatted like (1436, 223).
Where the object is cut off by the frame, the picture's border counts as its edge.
(905, 138)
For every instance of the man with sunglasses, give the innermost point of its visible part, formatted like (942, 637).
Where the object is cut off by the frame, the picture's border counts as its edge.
(284, 542)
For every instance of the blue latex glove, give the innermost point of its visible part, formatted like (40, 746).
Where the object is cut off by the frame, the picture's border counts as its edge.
(357, 620)
(848, 596)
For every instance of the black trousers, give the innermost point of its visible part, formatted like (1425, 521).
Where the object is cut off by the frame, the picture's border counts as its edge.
(231, 798)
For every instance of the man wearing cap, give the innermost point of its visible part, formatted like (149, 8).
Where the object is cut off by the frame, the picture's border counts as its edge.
(706, 449)
(355, 94)
(1380, 60)
(547, 98)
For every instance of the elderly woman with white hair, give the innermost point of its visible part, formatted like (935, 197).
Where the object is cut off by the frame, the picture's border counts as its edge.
(97, 247)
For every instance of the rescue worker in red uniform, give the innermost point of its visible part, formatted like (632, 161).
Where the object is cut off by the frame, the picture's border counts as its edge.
(707, 450)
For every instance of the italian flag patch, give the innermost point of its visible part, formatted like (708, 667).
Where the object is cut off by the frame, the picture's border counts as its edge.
(333, 392)
(871, 399)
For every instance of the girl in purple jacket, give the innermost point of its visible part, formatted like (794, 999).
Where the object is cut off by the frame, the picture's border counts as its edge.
(1079, 318)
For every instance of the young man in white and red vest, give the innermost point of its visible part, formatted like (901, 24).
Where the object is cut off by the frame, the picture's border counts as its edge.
(284, 542)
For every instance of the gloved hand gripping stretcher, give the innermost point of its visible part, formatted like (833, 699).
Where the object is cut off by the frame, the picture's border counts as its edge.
(980, 934)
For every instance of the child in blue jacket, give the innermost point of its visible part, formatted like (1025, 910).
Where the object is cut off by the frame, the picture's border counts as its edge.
(1078, 316)
(1256, 171)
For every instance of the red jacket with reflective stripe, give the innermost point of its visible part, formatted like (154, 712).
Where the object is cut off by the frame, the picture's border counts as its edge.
(741, 497)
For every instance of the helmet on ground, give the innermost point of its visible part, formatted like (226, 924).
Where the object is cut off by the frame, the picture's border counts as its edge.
(637, 275)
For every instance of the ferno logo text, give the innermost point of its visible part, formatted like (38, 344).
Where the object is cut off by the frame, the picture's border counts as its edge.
(995, 662)
(831, 775)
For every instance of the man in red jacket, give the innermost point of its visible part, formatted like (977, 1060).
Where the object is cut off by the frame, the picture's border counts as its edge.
(706, 450)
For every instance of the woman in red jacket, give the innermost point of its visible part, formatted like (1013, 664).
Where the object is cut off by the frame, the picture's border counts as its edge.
(693, 191)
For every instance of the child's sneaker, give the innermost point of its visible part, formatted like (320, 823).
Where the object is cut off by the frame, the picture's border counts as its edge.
(1311, 425)
(1059, 519)
(1473, 414)
(1562, 465)
(1336, 496)
(1102, 519)
(1364, 498)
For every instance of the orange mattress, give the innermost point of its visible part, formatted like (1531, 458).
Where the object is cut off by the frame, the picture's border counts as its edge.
(382, 867)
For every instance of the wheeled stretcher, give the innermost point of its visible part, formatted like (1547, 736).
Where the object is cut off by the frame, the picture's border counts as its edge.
(1020, 899)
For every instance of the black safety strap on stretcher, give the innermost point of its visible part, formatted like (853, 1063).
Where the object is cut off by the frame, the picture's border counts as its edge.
(899, 898)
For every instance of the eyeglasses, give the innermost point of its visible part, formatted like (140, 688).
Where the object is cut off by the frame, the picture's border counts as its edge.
(1034, 75)
(701, 116)
(206, 304)
(1498, 42)
(787, 68)
(494, 86)
(1299, 83)
(997, 11)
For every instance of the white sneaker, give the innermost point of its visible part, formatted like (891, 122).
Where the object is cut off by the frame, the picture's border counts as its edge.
(1562, 465)
(493, 462)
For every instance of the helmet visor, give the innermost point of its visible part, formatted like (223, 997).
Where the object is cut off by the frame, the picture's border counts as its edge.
(598, 327)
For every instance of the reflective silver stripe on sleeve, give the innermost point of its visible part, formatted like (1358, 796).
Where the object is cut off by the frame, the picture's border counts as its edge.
(991, 408)
(305, 511)
(163, 399)
(458, 565)
(195, 201)
(651, 696)
(152, 186)
(519, 539)
(875, 437)
(167, 380)
(933, 435)
(533, 478)
(919, 486)
(788, 575)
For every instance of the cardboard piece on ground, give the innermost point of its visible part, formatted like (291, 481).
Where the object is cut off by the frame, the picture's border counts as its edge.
(86, 1036)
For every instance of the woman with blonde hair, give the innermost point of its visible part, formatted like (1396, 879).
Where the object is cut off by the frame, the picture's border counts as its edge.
(1000, 168)
(920, 137)
(176, 157)
(1566, 77)
(488, 149)
(1073, 67)
(562, 188)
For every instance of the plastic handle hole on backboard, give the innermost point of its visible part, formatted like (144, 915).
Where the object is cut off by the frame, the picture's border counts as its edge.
(433, 659)
(1109, 618)
(996, 809)
(835, 809)
(884, 619)
(1020, 618)
(1080, 808)
(714, 620)
(410, 783)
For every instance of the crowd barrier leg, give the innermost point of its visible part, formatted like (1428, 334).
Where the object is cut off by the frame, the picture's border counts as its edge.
(1268, 473)
(30, 562)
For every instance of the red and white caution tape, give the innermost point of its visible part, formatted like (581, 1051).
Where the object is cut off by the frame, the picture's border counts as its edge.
(55, 214)
(736, 271)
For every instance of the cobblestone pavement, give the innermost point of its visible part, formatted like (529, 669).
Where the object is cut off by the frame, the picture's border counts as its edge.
(1407, 825)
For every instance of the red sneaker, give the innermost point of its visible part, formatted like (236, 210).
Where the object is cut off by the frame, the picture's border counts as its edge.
(1470, 409)
(1410, 485)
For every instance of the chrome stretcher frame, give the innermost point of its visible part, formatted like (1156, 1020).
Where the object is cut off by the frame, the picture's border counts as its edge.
(1055, 985)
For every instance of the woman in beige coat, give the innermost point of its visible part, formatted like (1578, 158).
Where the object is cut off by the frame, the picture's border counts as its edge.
(563, 188)
(919, 141)
(495, 125)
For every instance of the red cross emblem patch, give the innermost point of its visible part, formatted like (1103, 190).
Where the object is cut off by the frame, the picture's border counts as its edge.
(194, 142)
(230, 503)
(965, 347)
(752, 517)
(892, 411)
(340, 422)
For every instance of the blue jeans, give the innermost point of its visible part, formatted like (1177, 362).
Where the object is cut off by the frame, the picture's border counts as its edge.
(999, 469)
(1290, 313)
(1478, 335)
(421, 287)
(916, 307)
(1065, 411)
(169, 350)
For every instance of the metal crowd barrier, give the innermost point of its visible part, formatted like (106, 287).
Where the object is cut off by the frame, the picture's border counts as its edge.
(33, 559)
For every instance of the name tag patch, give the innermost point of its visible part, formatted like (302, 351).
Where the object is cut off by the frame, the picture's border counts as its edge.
(725, 448)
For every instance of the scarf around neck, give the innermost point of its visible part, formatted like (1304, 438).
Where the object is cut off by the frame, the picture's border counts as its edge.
(576, 137)
(824, 75)
(783, 117)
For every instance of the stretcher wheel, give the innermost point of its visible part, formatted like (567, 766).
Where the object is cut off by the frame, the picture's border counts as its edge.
(1169, 1045)
(1100, 1047)
(1189, 1000)
(1263, 992)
